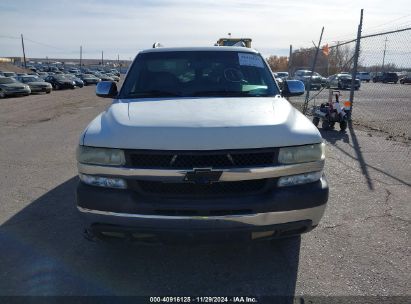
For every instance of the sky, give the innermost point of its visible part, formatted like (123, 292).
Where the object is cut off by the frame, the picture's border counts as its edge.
(57, 28)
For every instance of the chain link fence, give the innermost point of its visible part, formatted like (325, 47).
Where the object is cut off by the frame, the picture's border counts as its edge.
(382, 94)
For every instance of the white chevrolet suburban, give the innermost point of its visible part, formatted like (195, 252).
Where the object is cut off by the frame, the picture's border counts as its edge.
(200, 142)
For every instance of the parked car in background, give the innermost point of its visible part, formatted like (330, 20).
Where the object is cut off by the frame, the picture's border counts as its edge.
(51, 69)
(342, 81)
(36, 84)
(115, 78)
(305, 75)
(9, 74)
(42, 74)
(60, 82)
(11, 87)
(103, 77)
(282, 75)
(115, 72)
(385, 77)
(74, 71)
(279, 80)
(79, 83)
(364, 76)
(88, 79)
(406, 79)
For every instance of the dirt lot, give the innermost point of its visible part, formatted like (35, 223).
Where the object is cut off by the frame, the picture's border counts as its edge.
(361, 247)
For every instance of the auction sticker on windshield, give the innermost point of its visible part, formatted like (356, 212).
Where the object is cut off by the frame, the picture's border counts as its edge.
(250, 60)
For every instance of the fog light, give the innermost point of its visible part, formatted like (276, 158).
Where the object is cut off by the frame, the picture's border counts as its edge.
(106, 182)
(299, 179)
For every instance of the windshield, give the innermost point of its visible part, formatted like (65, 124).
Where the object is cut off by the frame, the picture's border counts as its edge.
(60, 77)
(7, 80)
(198, 73)
(30, 79)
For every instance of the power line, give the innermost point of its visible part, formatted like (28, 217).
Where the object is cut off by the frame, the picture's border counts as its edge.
(382, 24)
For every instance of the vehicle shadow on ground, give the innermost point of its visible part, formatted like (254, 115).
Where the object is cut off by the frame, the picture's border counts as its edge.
(44, 253)
(350, 137)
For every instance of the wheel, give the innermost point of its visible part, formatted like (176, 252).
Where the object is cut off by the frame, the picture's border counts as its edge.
(316, 121)
(368, 80)
(48, 92)
(2, 94)
(325, 125)
(374, 80)
(343, 125)
(57, 87)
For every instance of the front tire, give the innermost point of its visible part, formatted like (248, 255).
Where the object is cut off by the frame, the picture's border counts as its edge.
(325, 125)
(343, 125)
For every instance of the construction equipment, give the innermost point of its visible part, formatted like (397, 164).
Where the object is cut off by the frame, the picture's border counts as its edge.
(245, 42)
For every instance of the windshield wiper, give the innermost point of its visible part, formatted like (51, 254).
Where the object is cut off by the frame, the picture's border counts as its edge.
(221, 93)
(250, 93)
(154, 93)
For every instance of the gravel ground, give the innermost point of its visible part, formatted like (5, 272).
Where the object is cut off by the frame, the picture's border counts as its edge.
(361, 247)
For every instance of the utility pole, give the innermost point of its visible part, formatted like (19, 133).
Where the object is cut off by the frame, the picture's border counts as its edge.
(307, 96)
(337, 60)
(383, 57)
(118, 60)
(24, 53)
(354, 70)
(290, 59)
(81, 54)
(102, 58)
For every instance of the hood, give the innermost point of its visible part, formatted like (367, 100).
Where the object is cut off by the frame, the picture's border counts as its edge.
(201, 124)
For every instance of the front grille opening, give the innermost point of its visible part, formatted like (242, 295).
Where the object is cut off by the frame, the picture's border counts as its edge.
(202, 190)
(201, 159)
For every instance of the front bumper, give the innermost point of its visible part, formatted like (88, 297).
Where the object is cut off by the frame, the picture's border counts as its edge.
(18, 93)
(288, 210)
(40, 89)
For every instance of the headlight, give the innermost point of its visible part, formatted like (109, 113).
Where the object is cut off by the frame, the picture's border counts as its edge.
(301, 154)
(100, 156)
(299, 179)
(106, 182)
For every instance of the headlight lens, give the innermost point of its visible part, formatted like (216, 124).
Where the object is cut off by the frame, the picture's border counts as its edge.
(299, 179)
(101, 181)
(100, 156)
(301, 154)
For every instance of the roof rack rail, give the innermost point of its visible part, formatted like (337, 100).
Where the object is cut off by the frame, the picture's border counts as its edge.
(157, 45)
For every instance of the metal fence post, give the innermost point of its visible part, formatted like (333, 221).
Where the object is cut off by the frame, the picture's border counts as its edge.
(307, 96)
(355, 66)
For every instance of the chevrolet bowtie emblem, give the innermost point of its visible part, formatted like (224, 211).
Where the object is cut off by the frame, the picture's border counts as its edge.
(203, 176)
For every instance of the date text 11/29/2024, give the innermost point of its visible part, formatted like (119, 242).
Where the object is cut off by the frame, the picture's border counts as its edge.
(238, 299)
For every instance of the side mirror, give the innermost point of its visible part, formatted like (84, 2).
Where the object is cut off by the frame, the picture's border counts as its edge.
(293, 88)
(106, 89)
